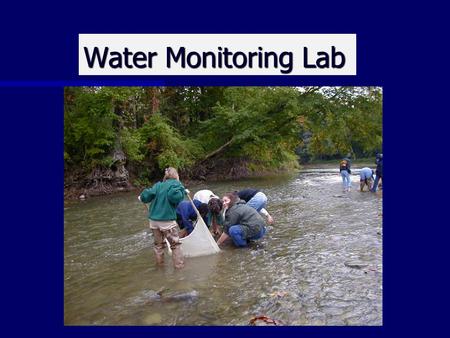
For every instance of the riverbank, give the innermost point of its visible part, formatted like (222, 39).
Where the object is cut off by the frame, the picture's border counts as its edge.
(74, 191)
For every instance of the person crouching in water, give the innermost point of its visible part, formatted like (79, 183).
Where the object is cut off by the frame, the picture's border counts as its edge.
(257, 200)
(215, 217)
(165, 196)
(242, 223)
(365, 178)
(187, 216)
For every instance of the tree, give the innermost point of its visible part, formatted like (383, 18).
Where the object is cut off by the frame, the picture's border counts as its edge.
(262, 128)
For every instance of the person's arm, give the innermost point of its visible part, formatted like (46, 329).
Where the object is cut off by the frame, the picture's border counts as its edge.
(186, 218)
(266, 213)
(215, 225)
(148, 194)
(187, 223)
(222, 238)
(231, 218)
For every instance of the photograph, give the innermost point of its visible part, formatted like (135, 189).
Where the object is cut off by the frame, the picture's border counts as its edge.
(223, 206)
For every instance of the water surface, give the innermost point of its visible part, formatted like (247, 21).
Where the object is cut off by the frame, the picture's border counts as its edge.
(319, 264)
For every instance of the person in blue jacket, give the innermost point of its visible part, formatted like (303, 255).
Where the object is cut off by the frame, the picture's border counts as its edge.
(365, 178)
(186, 215)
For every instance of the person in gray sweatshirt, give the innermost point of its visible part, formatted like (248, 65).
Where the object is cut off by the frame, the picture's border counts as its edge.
(242, 223)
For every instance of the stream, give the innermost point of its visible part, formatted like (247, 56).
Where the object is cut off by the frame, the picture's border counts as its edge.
(320, 263)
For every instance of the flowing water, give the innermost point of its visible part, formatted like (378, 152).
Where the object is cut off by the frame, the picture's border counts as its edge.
(319, 264)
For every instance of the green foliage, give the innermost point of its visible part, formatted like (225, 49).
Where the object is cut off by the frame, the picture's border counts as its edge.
(105, 162)
(344, 120)
(89, 132)
(186, 107)
(132, 144)
(261, 122)
(166, 145)
(158, 127)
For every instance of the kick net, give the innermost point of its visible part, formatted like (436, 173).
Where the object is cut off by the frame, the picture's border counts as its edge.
(199, 242)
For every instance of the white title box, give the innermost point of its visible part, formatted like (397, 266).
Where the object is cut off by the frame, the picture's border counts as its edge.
(217, 54)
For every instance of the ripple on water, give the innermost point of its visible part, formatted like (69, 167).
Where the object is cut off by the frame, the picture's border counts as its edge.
(296, 273)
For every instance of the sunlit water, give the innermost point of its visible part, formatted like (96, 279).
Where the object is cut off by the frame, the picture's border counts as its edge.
(319, 264)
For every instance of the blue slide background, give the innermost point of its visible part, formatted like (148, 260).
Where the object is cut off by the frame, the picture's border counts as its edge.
(399, 47)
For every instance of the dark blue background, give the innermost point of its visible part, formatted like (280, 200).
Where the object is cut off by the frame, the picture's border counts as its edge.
(399, 48)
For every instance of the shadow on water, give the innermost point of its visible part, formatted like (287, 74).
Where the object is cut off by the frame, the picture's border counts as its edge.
(319, 264)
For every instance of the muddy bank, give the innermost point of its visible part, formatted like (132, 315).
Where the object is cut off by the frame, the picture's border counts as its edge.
(80, 184)
(80, 190)
(231, 169)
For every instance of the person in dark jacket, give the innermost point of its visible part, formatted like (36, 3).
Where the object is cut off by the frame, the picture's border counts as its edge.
(257, 200)
(378, 172)
(242, 223)
(186, 215)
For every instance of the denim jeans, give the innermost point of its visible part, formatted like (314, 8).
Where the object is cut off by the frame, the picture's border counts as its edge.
(375, 184)
(346, 179)
(238, 238)
(258, 201)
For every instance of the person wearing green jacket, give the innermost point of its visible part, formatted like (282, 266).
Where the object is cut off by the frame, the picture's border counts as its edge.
(164, 197)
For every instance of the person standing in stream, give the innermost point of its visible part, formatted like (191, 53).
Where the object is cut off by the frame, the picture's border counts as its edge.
(345, 171)
(164, 197)
(378, 172)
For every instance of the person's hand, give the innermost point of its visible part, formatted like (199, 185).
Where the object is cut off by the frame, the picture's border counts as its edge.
(270, 219)
(139, 198)
(223, 237)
